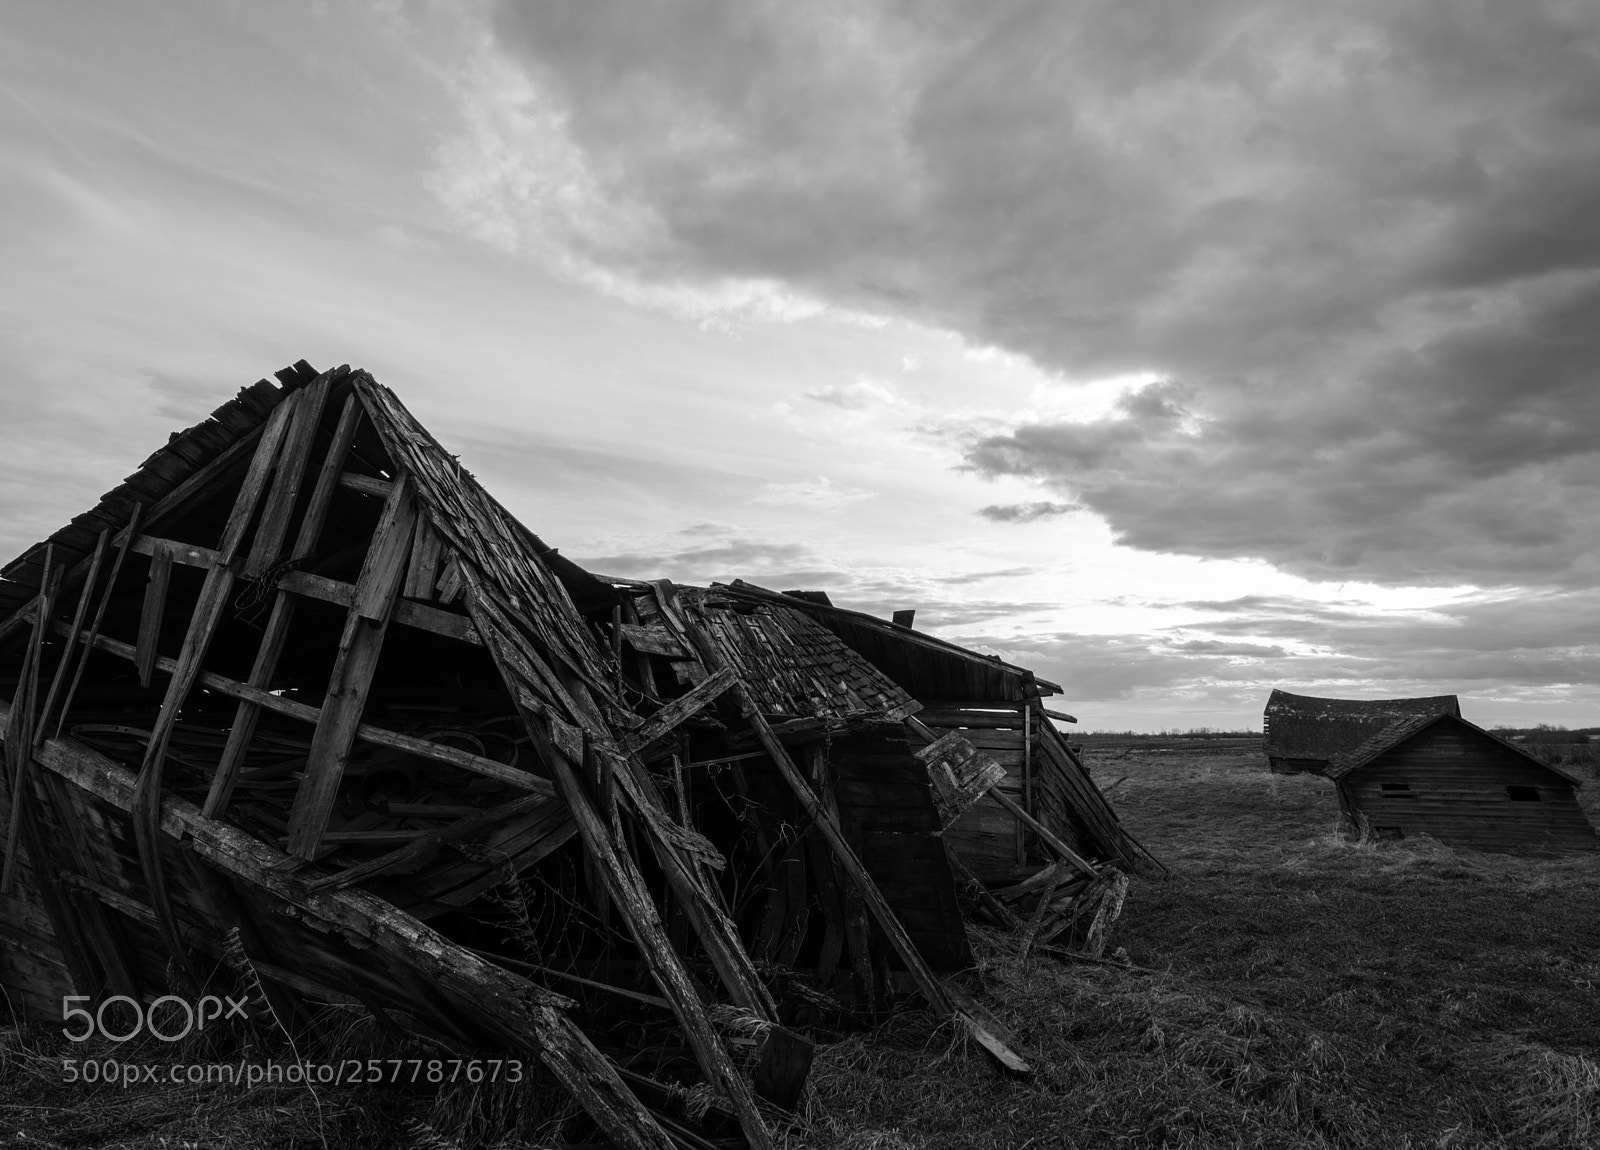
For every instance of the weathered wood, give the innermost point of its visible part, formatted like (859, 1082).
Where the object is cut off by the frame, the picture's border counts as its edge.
(936, 993)
(418, 615)
(155, 604)
(678, 711)
(958, 773)
(650, 640)
(85, 592)
(291, 469)
(669, 842)
(366, 732)
(365, 484)
(626, 889)
(521, 1013)
(124, 540)
(110, 948)
(422, 572)
(1046, 835)
(353, 668)
(19, 735)
(203, 621)
(784, 1062)
(1059, 716)
(416, 853)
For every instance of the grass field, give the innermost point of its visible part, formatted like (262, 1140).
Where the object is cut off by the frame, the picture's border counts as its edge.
(1298, 990)
(1308, 991)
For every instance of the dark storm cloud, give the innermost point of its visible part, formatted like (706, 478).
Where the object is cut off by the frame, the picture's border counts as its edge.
(1358, 236)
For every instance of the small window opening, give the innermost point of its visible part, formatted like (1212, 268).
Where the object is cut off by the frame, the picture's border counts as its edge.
(1389, 834)
(1397, 791)
(1523, 794)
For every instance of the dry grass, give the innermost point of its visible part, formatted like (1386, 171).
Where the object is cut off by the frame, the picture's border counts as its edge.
(1313, 991)
(1308, 991)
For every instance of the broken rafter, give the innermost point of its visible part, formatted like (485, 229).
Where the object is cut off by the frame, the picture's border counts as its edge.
(518, 1012)
(353, 669)
(203, 620)
(276, 633)
(366, 732)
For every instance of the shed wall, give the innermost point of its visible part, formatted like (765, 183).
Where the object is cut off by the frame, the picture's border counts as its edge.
(1458, 793)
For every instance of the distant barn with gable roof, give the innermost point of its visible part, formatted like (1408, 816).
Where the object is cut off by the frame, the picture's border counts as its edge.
(1443, 776)
(1303, 733)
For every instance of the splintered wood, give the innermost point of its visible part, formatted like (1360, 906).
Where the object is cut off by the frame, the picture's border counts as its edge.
(300, 696)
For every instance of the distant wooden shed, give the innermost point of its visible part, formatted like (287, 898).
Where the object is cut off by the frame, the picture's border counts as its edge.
(1303, 733)
(1443, 776)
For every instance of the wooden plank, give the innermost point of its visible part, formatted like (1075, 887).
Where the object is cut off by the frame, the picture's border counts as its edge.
(626, 889)
(366, 732)
(651, 640)
(353, 668)
(677, 849)
(126, 538)
(519, 1012)
(365, 484)
(422, 571)
(19, 733)
(999, 795)
(66, 660)
(935, 991)
(418, 615)
(155, 605)
(203, 621)
(291, 469)
(678, 711)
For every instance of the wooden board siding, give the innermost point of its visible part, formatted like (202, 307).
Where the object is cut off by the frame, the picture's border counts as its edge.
(986, 835)
(886, 810)
(33, 975)
(1458, 783)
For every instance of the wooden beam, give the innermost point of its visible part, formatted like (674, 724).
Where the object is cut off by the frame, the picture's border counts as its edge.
(678, 711)
(626, 888)
(353, 669)
(19, 738)
(667, 838)
(155, 605)
(365, 484)
(938, 995)
(518, 1012)
(276, 633)
(1061, 716)
(291, 469)
(420, 616)
(1046, 835)
(366, 732)
(100, 611)
(203, 621)
(71, 649)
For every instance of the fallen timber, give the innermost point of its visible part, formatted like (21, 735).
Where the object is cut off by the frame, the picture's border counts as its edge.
(300, 690)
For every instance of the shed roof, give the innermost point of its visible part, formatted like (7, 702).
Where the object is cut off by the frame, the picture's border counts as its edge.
(1401, 730)
(925, 665)
(1305, 726)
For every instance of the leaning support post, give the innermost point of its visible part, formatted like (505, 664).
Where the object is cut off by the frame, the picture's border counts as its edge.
(942, 998)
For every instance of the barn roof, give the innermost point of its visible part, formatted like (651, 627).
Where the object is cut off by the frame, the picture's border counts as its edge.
(1305, 726)
(1401, 730)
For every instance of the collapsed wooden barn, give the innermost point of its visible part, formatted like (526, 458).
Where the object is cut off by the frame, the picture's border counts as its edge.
(1443, 776)
(300, 695)
(1303, 734)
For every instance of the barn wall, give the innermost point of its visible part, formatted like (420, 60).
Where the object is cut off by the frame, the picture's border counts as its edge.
(986, 836)
(1458, 783)
(33, 974)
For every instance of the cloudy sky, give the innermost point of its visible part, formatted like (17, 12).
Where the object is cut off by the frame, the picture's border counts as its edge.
(1175, 350)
